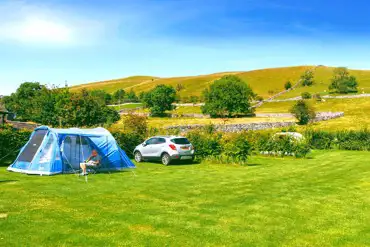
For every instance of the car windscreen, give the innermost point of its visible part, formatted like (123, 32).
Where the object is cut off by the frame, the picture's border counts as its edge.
(180, 141)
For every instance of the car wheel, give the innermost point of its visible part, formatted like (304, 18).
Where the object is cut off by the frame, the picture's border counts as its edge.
(138, 157)
(166, 159)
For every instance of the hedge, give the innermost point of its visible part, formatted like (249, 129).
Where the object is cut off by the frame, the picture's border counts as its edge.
(11, 140)
(342, 140)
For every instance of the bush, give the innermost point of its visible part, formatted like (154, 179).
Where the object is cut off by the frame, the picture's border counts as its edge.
(235, 148)
(11, 140)
(283, 145)
(307, 78)
(303, 112)
(319, 139)
(342, 140)
(288, 85)
(205, 144)
(135, 124)
(128, 141)
(306, 95)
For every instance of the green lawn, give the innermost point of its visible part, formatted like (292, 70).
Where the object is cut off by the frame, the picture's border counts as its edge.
(321, 201)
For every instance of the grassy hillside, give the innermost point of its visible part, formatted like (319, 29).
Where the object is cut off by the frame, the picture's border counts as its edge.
(356, 112)
(321, 201)
(264, 82)
(113, 85)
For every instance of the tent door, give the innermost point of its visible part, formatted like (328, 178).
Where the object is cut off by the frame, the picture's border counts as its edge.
(75, 150)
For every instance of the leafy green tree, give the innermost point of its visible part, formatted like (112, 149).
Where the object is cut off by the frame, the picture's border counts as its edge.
(303, 112)
(102, 95)
(194, 99)
(131, 96)
(59, 107)
(227, 97)
(288, 85)
(21, 102)
(160, 99)
(307, 78)
(343, 82)
(119, 96)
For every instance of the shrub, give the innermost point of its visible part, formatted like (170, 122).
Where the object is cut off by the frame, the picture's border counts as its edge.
(135, 124)
(319, 139)
(288, 85)
(205, 144)
(306, 95)
(11, 140)
(307, 78)
(303, 112)
(283, 145)
(235, 148)
(128, 141)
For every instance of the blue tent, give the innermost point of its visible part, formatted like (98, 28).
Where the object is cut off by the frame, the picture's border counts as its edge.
(51, 151)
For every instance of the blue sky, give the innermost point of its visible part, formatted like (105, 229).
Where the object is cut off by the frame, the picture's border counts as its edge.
(82, 41)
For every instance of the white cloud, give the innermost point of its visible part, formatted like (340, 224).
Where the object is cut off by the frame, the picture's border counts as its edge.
(44, 25)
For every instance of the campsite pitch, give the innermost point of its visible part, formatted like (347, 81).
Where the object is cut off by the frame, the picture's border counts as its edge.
(321, 201)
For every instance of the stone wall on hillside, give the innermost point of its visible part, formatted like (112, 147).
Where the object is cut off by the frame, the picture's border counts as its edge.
(322, 116)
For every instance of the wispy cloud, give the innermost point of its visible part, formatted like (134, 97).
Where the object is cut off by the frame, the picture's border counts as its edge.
(28, 23)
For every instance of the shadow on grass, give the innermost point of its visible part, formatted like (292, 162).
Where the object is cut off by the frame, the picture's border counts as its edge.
(253, 164)
(8, 181)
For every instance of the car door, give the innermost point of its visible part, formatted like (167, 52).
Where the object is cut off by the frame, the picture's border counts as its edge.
(157, 147)
(146, 150)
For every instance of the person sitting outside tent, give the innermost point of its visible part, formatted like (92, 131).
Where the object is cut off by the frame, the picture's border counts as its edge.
(93, 160)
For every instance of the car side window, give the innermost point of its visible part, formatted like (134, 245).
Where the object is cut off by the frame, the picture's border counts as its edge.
(151, 141)
(161, 140)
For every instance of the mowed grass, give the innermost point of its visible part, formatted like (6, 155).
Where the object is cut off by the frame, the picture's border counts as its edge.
(356, 112)
(321, 201)
(264, 82)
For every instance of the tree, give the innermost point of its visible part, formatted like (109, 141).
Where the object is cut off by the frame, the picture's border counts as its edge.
(307, 78)
(179, 87)
(22, 101)
(303, 112)
(288, 85)
(102, 95)
(343, 82)
(119, 96)
(194, 99)
(160, 99)
(59, 107)
(228, 96)
(306, 95)
(131, 96)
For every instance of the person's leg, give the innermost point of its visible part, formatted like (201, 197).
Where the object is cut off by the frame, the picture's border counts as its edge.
(83, 167)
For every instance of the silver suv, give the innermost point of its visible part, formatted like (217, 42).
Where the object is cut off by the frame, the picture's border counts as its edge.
(165, 149)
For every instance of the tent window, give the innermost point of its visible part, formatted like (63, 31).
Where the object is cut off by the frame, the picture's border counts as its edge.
(46, 153)
(32, 146)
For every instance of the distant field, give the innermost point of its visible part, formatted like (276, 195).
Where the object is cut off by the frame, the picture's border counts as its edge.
(356, 112)
(264, 82)
(127, 106)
